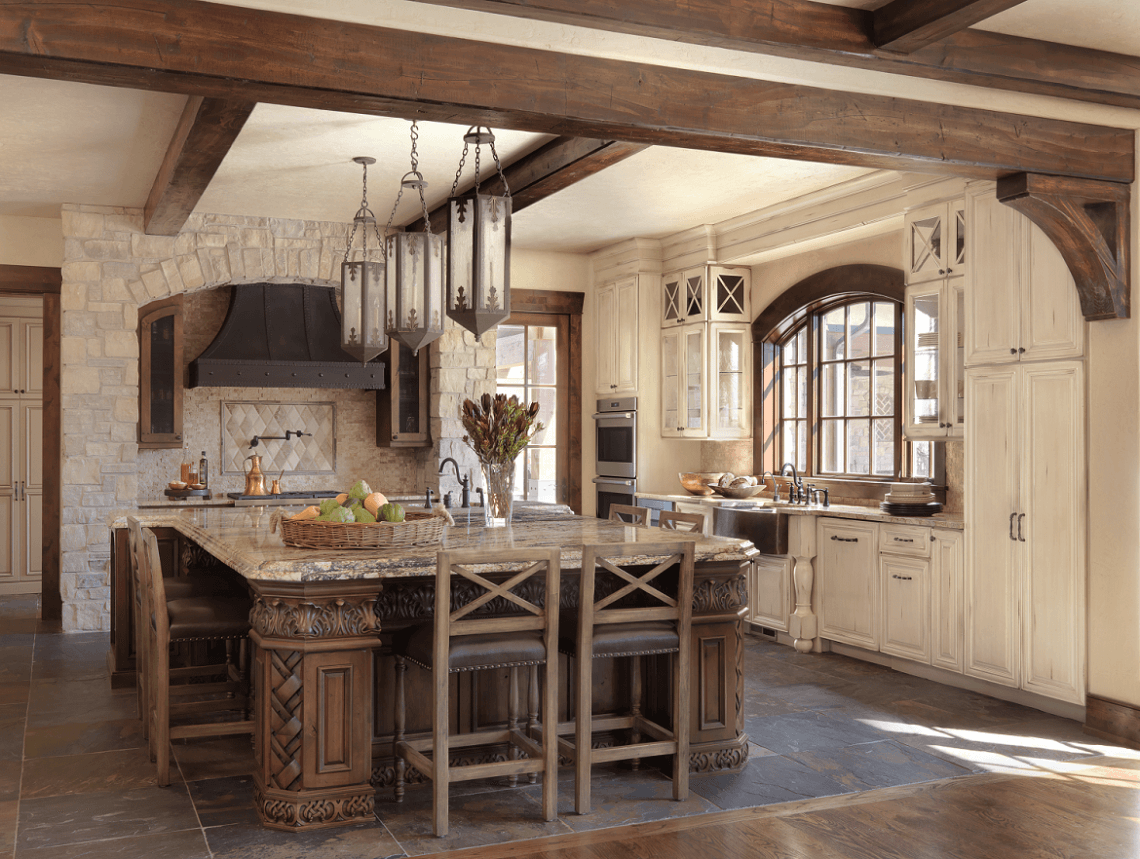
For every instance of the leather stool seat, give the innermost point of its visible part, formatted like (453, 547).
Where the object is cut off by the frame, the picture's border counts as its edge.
(645, 638)
(475, 653)
(204, 584)
(208, 617)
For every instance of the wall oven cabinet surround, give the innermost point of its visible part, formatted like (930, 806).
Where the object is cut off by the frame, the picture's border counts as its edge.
(1022, 304)
(936, 242)
(616, 324)
(935, 393)
(402, 406)
(709, 293)
(160, 374)
(1025, 528)
(706, 381)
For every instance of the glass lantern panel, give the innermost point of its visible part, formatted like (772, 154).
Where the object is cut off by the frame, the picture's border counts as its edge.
(461, 249)
(493, 225)
(352, 274)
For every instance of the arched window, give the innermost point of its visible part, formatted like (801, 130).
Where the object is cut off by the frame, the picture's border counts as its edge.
(830, 392)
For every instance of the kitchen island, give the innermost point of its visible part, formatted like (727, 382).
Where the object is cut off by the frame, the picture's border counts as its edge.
(323, 675)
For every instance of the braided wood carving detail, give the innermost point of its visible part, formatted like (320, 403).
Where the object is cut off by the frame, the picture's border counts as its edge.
(304, 813)
(722, 759)
(281, 617)
(285, 727)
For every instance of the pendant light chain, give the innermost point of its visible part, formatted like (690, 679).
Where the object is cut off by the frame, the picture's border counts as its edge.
(363, 215)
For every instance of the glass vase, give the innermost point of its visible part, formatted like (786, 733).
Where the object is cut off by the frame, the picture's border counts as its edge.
(499, 486)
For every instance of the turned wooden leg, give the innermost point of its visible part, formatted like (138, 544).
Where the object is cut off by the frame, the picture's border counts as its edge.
(532, 711)
(400, 716)
(635, 705)
(513, 721)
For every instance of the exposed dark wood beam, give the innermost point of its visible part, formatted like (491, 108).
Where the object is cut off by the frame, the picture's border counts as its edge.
(555, 165)
(232, 52)
(904, 26)
(806, 30)
(30, 279)
(1089, 223)
(206, 130)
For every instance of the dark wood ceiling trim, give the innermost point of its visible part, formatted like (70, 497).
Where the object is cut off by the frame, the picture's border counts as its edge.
(904, 26)
(30, 279)
(555, 165)
(232, 52)
(1089, 222)
(206, 130)
(806, 30)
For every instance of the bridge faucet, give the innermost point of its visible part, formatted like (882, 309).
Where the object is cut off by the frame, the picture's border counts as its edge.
(464, 482)
(797, 481)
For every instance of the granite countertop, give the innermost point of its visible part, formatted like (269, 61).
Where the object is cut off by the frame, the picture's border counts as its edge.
(953, 521)
(241, 537)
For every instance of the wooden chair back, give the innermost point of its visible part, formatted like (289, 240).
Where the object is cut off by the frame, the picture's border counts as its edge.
(629, 514)
(673, 604)
(673, 520)
(156, 620)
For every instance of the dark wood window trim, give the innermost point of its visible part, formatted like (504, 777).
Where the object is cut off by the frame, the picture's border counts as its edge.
(569, 304)
(48, 282)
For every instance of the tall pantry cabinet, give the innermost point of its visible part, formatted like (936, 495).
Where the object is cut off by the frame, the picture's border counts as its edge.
(1025, 459)
(21, 444)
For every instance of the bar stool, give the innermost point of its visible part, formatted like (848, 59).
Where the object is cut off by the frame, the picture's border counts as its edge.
(641, 616)
(636, 515)
(189, 619)
(460, 640)
(200, 583)
(671, 520)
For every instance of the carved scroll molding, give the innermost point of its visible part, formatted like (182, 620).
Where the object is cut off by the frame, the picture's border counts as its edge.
(283, 617)
(1089, 222)
(294, 812)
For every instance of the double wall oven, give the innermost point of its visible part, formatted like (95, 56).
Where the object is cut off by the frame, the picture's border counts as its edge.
(615, 424)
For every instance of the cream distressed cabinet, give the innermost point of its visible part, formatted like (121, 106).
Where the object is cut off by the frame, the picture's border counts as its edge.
(616, 324)
(771, 596)
(904, 574)
(947, 567)
(936, 242)
(1025, 518)
(21, 350)
(706, 381)
(709, 293)
(847, 578)
(1022, 304)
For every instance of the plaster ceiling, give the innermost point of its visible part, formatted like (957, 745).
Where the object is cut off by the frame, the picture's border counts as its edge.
(65, 142)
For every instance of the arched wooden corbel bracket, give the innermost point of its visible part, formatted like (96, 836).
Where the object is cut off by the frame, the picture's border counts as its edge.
(1088, 221)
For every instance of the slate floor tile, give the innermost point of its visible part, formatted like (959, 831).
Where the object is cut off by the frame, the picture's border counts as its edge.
(75, 738)
(186, 844)
(801, 732)
(12, 718)
(761, 705)
(75, 818)
(9, 816)
(91, 773)
(816, 696)
(883, 764)
(216, 757)
(10, 780)
(254, 841)
(223, 801)
(57, 702)
(765, 781)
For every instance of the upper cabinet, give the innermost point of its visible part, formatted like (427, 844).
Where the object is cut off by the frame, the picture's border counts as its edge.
(710, 293)
(616, 324)
(21, 352)
(1022, 304)
(936, 241)
(684, 382)
(401, 408)
(160, 374)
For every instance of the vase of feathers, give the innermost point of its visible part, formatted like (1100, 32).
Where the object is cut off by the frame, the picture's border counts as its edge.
(498, 429)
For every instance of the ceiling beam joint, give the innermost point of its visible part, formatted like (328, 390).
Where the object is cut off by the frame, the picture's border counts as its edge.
(905, 26)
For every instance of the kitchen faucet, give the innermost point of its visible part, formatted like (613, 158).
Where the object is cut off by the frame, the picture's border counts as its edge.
(796, 493)
(464, 482)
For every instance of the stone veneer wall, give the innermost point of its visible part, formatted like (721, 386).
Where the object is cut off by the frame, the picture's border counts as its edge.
(110, 269)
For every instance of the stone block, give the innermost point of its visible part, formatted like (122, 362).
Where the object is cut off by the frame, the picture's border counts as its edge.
(82, 471)
(115, 289)
(252, 264)
(73, 296)
(152, 247)
(451, 381)
(73, 350)
(109, 320)
(173, 276)
(121, 344)
(78, 323)
(81, 224)
(74, 445)
(155, 283)
(72, 562)
(80, 271)
(123, 432)
(98, 249)
(186, 242)
(73, 538)
(79, 380)
(121, 220)
(237, 264)
(191, 271)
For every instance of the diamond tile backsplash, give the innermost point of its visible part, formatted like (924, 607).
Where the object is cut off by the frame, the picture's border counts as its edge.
(308, 454)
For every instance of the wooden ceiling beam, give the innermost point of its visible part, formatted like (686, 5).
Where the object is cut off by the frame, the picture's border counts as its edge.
(905, 26)
(555, 165)
(231, 52)
(206, 130)
(805, 30)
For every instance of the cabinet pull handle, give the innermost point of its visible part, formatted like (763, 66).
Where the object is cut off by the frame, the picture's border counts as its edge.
(23, 492)
(901, 578)
(1020, 519)
(844, 539)
(1012, 516)
(904, 539)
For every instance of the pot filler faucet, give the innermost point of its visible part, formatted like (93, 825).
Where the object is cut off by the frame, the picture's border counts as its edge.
(464, 482)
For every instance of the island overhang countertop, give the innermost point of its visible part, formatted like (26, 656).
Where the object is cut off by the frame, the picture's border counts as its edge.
(243, 539)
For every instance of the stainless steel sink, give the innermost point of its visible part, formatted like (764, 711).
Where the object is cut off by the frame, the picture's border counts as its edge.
(766, 527)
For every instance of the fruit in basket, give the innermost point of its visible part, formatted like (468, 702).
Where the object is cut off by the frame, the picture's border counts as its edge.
(339, 514)
(373, 502)
(328, 505)
(362, 515)
(340, 499)
(360, 490)
(392, 513)
(308, 513)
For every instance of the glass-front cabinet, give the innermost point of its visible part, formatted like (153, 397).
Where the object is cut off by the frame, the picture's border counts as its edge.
(730, 372)
(401, 408)
(936, 241)
(710, 293)
(935, 353)
(160, 374)
(706, 379)
(683, 382)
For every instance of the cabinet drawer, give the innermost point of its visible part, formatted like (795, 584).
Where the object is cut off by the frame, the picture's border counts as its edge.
(911, 540)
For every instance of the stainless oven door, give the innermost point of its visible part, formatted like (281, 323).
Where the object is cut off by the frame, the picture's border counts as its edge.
(613, 491)
(616, 444)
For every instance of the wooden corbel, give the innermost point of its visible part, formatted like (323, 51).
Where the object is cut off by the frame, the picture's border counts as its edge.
(1088, 221)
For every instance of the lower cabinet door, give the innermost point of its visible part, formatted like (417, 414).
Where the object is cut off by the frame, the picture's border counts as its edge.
(848, 582)
(906, 607)
(770, 592)
(947, 563)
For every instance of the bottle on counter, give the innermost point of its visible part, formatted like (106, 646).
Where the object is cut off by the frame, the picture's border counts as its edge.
(204, 470)
(186, 465)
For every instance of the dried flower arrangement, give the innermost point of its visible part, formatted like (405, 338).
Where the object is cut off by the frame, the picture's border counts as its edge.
(499, 427)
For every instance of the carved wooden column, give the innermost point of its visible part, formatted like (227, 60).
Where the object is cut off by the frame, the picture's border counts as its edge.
(803, 625)
(312, 699)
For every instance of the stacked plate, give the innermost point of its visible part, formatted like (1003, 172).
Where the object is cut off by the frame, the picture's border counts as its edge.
(910, 499)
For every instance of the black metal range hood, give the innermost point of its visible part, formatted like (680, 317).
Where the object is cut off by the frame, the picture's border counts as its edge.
(282, 336)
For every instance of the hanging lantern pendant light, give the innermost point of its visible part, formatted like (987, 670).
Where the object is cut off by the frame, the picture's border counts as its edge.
(361, 296)
(479, 246)
(414, 271)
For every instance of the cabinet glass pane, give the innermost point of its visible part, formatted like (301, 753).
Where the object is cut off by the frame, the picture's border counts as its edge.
(162, 375)
(858, 330)
(834, 328)
(730, 346)
(693, 390)
(960, 358)
(859, 388)
(670, 374)
(925, 371)
(926, 243)
(672, 300)
(959, 237)
(694, 296)
(408, 390)
(859, 447)
(730, 293)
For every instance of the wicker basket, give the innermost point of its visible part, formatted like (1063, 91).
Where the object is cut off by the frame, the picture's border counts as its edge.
(419, 528)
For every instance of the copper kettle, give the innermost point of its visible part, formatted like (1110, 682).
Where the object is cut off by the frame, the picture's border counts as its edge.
(254, 479)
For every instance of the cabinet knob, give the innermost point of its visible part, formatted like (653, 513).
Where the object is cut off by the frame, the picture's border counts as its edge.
(1012, 351)
(1020, 349)
(941, 271)
(395, 436)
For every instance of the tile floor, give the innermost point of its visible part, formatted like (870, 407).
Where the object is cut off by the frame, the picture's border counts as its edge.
(75, 780)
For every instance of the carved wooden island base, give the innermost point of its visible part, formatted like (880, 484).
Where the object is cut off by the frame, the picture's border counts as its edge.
(323, 674)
